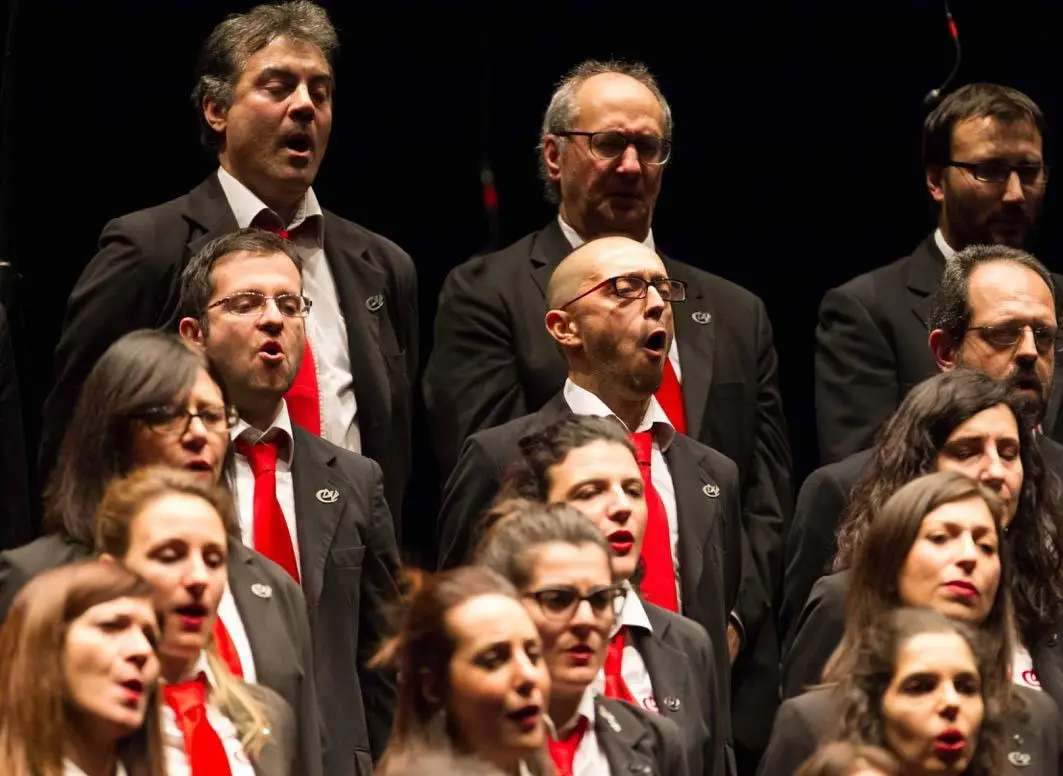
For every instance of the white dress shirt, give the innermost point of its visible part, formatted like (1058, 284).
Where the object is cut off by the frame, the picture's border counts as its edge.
(576, 241)
(590, 759)
(234, 626)
(583, 402)
(244, 486)
(939, 240)
(325, 325)
(173, 740)
(69, 769)
(633, 667)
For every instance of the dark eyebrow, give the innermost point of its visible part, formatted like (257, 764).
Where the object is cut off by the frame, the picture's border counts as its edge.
(287, 74)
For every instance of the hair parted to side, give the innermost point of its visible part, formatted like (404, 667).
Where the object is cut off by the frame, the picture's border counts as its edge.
(125, 499)
(874, 588)
(563, 111)
(224, 54)
(861, 691)
(35, 719)
(520, 529)
(197, 281)
(951, 307)
(141, 370)
(844, 758)
(978, 100)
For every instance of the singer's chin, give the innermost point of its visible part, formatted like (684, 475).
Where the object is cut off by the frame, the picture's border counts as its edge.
(1032, 405)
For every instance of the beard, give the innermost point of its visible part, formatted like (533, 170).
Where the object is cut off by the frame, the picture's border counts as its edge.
(631, 371)
(1026, 385)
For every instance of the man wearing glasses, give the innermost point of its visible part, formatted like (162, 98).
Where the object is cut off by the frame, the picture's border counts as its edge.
(314, 508)
(983, 154)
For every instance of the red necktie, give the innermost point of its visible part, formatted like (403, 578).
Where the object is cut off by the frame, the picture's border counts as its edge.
(271, 534)
(670, 397)
(302, 398)
(658, 582)
(223, 645)
(205, 751)
(563, 751)
(615, 686)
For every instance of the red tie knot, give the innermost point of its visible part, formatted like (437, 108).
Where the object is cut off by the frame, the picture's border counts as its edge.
(186, 697)
(261, 456)
(643, 442)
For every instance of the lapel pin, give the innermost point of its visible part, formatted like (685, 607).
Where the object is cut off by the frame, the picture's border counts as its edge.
(374, 302)
(607, 715)
(1019, 759)
(711, 490)
(672, 703)
(261, 590)
(639, 768)
(327, 496)
(702, 317)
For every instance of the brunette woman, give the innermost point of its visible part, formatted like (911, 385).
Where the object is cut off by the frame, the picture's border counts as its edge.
(966, 422)
(655, 658)
(170, 527)
(936, 544)
(77, 676)
(561, 566)
(471, 676)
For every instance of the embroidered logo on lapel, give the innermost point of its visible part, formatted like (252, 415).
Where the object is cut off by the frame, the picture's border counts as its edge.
(327, 495)
(1019, 759)
(700, 316)
(374, 302)
(261, 590)
(711, 490)
(610, 720)
(672, 703)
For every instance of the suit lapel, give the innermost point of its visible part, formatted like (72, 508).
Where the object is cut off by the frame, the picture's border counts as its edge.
(362, 292)
(696, 513)
(549, 248)
(667, 667)
(925, 266)
(319, 504)
(209, 210)
(258, 612)
(619, 734)
(695, 332)
(1048, 665)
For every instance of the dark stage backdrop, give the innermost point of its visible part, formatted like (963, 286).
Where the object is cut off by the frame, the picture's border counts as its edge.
(797, 134)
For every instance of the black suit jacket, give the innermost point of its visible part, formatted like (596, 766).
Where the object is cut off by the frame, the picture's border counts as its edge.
(636, 741)
(137, 271)
(679, 659)
(349, 564)
(279, 755)
(276, 624)
(811, 719)
(16, 518)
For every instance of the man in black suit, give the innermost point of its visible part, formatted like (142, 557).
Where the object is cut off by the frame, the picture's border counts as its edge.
(984, 161)
(311, 506)
(610, 315)
(264, 101)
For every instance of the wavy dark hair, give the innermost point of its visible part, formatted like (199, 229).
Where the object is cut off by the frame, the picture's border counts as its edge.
(907, 447)
(862, 690)
(844, 758)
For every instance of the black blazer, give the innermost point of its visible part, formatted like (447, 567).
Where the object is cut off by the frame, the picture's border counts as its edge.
(274, 619)
(811, 719)
(137, 271)
(349, 565)
(635, 741)
(16, 517)
(279, 756)
(679, 659)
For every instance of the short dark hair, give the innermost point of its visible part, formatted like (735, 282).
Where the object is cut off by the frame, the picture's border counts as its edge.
(1006, 105)
(225, 52)
(197, 282)
(951, 309)
(562, 111)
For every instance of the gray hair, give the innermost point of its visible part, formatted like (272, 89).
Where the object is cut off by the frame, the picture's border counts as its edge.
(225, 52)
(561, 113)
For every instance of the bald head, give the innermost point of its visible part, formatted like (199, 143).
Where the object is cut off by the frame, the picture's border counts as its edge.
(593, 262)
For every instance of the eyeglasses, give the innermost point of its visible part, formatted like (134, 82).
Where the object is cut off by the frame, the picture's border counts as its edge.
(996, 171)
(634, 287)
(609, 145)
(561, 603)
(254, 303)
(1006, 335)
(175, 421)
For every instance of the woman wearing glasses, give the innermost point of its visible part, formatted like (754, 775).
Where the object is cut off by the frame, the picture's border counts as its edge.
(655, 658)
(560, 564)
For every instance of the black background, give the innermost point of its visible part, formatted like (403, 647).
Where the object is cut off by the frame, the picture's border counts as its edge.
(796, 129)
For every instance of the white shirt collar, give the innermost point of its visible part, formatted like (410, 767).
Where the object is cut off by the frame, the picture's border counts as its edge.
(583, 402)
(246, 206)
(946, 250)
(585, 709)
(201, 666)
(633, 615)
(576, 241)
(281, 425)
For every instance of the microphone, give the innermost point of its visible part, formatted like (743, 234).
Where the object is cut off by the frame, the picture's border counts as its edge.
(933, 97)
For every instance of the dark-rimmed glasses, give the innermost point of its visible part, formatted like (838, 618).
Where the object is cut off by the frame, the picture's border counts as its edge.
(561, 602)
(608, 146)
(175, 421)
(254, 303)
(634, 287)
(1006, 335)
(996, 171)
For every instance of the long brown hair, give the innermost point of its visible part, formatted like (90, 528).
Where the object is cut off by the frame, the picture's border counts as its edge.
(35, 719)
(844, 758)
